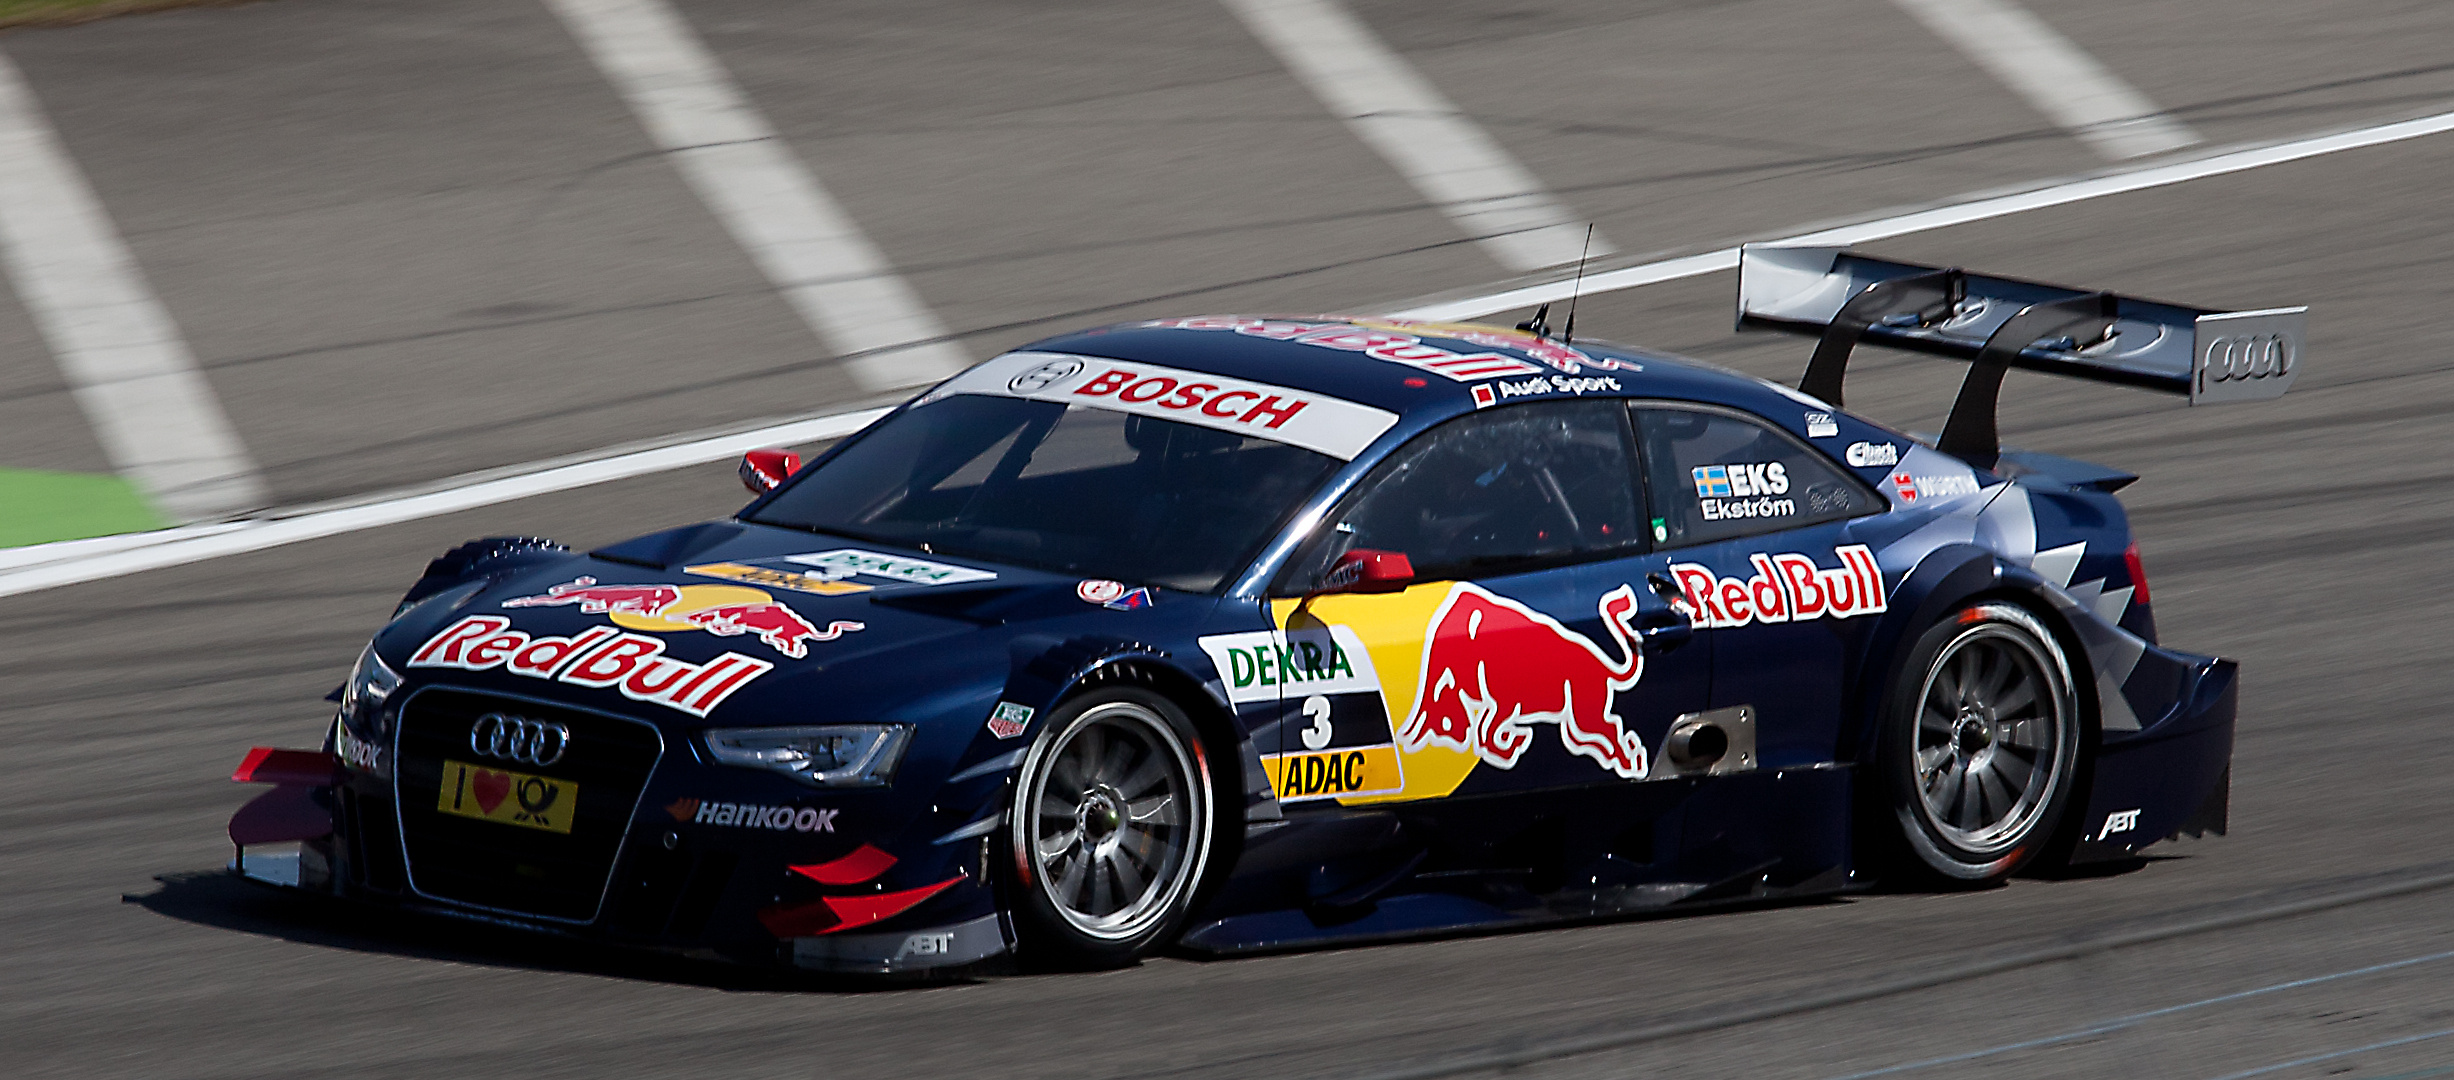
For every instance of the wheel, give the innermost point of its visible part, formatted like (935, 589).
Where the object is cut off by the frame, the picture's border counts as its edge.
(1980, 745)
(1111, 830)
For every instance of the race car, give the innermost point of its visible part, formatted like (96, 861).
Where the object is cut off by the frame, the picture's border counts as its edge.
(1235, 633)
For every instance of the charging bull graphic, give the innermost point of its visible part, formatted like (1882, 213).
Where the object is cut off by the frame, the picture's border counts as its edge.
(595, 599)
(722, 610)
(780, 627)
(1492, 666)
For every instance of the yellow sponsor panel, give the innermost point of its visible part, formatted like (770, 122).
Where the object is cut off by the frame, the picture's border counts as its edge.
(1392, 626)
(1336, 773)
(513, 798)
(777, 579)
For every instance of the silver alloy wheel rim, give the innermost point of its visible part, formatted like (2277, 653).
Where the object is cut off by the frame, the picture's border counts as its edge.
(1992, 737)
(1113, 817)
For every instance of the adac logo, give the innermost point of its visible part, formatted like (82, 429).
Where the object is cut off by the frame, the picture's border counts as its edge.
(722, 610)
(1491, 666)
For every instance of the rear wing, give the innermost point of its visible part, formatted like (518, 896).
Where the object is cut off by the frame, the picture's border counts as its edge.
(1998, 323)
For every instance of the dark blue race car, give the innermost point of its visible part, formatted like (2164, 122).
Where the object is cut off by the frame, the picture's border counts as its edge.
(1246, 633)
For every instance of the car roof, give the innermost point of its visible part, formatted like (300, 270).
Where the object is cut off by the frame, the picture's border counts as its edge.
(1419, 370)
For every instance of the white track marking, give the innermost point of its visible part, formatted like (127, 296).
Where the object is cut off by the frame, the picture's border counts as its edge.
(78, 560)
(126, 364)
(1398, 112)
(1958, 213)
(2054, 74)
(800, 237)
(50, 565)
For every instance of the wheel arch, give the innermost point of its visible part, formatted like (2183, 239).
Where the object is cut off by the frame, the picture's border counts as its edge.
(1233, 760)
(1948, 580)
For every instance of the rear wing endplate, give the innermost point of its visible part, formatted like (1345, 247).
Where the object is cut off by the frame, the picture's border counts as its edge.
(1998, 323)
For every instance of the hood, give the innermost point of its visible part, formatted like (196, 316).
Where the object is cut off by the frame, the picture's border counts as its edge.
(736, 623)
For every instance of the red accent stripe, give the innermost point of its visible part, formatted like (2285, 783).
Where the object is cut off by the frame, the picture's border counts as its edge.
(863, 910)
(797, 920)
(266, 765)
(864, 863)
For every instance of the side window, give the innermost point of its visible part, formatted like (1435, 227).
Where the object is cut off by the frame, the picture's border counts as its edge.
(1715, 475)
(1490, 493)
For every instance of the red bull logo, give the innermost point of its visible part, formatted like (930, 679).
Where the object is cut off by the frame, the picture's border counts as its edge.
(783, 629)
(595, 599)
(1787, 587)
(601, 658)
(722, 610)
(1493, 667)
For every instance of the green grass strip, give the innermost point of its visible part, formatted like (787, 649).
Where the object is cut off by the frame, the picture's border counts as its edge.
(37, 507)
(53, 12)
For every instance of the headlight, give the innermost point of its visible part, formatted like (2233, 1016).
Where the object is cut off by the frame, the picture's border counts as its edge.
(370, 682)
(842, 755)
(361, 730)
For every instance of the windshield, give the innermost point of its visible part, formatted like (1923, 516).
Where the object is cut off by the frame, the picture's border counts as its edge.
(1067, 488)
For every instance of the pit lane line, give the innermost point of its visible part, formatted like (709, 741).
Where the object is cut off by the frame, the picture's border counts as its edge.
(2119, 1023)
(1389, 105)
(128, 367)
(2056, 76)
(2332, 1055)
(1939, 217)
(44, 566)
(1518, 1054)
(806, 244)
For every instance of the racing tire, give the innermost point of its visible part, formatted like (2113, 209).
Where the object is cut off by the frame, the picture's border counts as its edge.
(1979, 749)
(1111, 831)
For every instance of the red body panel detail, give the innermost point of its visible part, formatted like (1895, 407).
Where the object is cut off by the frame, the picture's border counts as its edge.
(863, 864)
(266, 765)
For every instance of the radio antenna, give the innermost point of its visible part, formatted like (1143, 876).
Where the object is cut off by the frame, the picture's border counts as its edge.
(1567, 334)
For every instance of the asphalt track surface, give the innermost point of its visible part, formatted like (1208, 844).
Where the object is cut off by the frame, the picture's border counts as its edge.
(2310, 537)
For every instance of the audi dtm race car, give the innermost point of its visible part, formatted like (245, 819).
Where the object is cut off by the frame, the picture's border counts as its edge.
(1239, 633)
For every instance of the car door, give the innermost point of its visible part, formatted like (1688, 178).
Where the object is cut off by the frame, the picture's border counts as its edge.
(1753, 525)
(1510, 662)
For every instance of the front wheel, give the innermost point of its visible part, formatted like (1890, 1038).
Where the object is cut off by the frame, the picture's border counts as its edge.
(1980, 745)
(1111, 829)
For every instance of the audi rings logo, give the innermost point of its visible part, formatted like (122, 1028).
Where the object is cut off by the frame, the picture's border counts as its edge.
(1039, 378)
(518, 738)
(2255, 356)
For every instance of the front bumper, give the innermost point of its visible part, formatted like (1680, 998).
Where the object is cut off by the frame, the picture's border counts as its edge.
(850, 891)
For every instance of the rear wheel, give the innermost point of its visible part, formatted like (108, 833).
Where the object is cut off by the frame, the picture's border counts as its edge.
(1980, 745)
(1112, 827)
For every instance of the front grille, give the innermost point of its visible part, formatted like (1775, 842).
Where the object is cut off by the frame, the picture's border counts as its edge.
(503, 866)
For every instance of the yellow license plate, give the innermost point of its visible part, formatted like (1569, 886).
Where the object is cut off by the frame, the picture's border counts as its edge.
(513, 798)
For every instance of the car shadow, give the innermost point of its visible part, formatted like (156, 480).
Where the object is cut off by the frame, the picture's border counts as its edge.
(225, 902)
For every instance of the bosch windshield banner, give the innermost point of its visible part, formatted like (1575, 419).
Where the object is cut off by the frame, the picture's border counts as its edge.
(1338, 428)
(1788, 587)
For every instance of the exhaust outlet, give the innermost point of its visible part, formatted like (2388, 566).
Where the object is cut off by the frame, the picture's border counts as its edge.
(1696, 746)
(1715, 742)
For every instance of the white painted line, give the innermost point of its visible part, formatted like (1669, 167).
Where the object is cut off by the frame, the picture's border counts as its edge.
(815, 254)
(172, 547)
(2055, 75)
(1959, 213)
(51, 565)
(126, 364)
(1398, 112)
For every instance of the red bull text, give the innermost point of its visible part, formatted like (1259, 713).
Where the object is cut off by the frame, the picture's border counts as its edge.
(1788, 587)
(599, 657)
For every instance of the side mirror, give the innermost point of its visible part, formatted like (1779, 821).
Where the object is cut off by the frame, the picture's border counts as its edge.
(1364, 570)
(763, 471)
